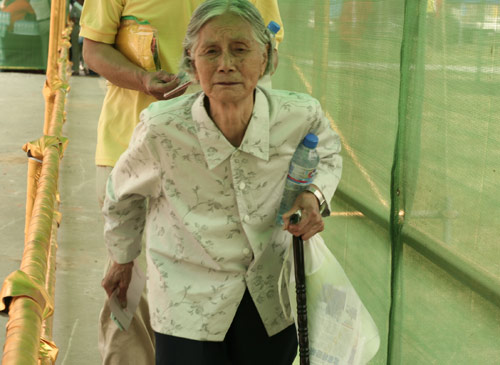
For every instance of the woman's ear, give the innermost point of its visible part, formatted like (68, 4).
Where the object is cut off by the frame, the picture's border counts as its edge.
(193, 66)
(195, 71)
(265, 59)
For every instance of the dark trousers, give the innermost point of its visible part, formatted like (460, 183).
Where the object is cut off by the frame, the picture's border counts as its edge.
(246, 343)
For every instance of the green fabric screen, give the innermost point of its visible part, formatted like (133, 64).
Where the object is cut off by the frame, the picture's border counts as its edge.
(413, 88)
(24, 34)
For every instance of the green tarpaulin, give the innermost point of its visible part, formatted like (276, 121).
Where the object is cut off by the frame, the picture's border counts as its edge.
(413, 88)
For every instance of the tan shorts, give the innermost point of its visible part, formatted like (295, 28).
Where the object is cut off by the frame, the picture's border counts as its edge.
(137, 344)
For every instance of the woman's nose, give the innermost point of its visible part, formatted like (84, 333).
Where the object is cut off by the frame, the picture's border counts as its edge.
(226, 62)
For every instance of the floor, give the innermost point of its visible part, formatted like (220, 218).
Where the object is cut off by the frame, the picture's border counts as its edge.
(81, 255)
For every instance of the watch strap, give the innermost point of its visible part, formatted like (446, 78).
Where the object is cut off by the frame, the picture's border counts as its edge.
(323, 206)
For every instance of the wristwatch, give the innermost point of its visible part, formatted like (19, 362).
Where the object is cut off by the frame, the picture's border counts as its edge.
(323, 206)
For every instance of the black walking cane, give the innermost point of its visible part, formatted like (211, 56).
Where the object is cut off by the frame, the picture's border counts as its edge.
(300, 289)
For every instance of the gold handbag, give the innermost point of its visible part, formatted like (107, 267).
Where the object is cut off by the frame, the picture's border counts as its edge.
(138, 41)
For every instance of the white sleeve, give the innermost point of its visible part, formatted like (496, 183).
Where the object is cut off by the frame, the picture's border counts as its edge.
(134, 179)
(329, 169)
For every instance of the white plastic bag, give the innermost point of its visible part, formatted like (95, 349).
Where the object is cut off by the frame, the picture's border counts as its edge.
(341, 331)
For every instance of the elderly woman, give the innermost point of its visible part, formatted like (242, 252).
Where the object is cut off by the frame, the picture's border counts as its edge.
(211, 167)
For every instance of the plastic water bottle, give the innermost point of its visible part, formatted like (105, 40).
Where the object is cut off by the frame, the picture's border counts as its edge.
(274, 28)
(300, 174)
(265, 81)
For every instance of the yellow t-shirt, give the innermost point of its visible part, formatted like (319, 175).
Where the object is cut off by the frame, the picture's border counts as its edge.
(100, 21)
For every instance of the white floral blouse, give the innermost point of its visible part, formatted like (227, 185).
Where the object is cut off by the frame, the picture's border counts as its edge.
(210, 217)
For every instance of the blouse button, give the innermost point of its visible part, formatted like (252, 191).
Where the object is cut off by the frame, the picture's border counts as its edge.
(246, 218)
(246, 251)
(242, 185)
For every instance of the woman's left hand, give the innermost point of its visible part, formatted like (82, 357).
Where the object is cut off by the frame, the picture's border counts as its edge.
(311, 221)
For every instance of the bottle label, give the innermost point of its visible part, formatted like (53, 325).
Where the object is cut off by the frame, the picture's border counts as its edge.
(301, 175)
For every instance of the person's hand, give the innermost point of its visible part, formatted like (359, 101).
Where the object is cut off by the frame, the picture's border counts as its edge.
(118, 277)
(160, 82)
(311, 221)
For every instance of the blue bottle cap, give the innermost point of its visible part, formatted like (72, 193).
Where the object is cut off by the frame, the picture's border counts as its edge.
(273, 27)
(310, 141)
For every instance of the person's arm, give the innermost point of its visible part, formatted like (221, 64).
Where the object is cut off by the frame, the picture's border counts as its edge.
(111, 64)
(326, 180)
(135, 178)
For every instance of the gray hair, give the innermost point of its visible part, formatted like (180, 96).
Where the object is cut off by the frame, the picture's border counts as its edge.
(213, 8)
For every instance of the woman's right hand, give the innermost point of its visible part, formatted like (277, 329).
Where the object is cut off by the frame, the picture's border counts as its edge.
(118, 277)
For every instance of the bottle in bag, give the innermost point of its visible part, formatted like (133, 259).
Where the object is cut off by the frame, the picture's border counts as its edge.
(300, 174)
(265, 81)
(274, 28)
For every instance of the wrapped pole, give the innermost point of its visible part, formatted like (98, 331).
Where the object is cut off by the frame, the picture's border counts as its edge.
(29, 302)
(24, 324)
(27, 295)
(48, 349)
(59, 88)
(34, 168)
(53, 82)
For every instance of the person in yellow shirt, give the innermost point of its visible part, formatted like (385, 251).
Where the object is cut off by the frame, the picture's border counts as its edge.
(130, 89)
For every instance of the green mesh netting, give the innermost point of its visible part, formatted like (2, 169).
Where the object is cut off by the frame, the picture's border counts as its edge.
(24, 34)
(413, 88)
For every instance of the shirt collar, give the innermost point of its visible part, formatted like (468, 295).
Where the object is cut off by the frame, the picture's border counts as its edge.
(217, 148)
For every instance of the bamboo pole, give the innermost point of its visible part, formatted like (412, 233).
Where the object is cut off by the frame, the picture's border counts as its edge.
(27, 295)
(27, 311)
(52, 82)
(48, 349)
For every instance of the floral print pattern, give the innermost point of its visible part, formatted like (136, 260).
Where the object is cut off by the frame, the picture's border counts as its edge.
(208, 208)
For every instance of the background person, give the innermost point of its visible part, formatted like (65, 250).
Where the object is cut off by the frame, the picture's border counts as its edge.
(76, 54)
(130, 90)
(211, 167)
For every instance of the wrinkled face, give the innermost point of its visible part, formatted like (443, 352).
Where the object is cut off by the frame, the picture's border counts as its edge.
(228, 61)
